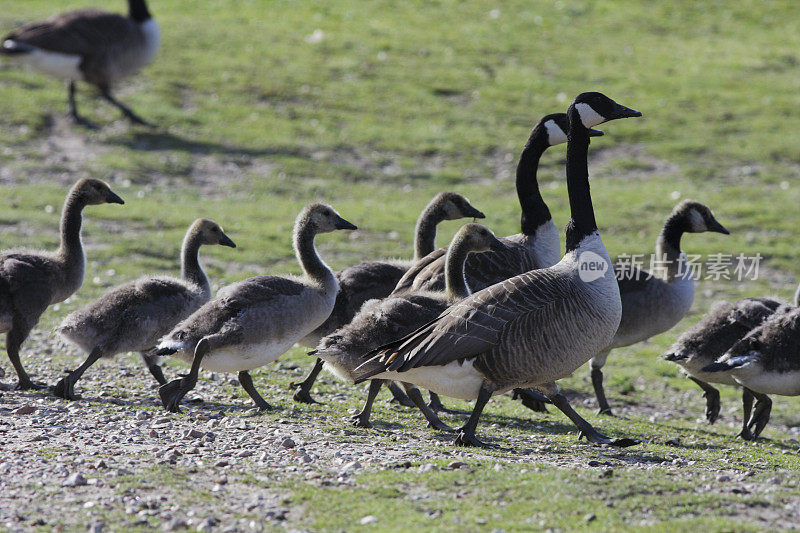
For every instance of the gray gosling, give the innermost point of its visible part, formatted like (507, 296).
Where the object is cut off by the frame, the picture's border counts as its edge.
(253, 322)
(381, 321)
(134, 316)
(30, 280)
(93, 46)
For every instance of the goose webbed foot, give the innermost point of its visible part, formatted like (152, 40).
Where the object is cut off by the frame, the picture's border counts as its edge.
(65, 388)
(585, 428)
(23, 385)
(437, 407)
(745, 435)
(468, 439)
(247, 384)
(398, 396)
(595, 437)
(713, 405)
(82, 121)
(361, 420)
(301, 394)
(531, 399)
(173, 392)
(761, 415)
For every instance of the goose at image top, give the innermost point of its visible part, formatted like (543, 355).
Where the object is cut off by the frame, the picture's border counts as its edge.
(134, 316)
(702, 344)
(92, 46)
(529, 330)
(765, 361)
(654, 302)
(32, 280)
(381, 321)
(253, 322)
(536, 246)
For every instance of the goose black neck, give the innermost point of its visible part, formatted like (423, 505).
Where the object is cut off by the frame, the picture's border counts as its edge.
(137, 10)
(534, 210)
(314, 267)
(582, 222)
(71, 219)
(425, 231)
(190, 264)
(668, 245)
(455, 280)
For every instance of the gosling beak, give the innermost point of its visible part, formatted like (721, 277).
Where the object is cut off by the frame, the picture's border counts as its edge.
(718, 228)
(474, 213)
(620, 111)
(226, 241)
(595, 133)
(498, 246)
(112, 198)
(343, 224)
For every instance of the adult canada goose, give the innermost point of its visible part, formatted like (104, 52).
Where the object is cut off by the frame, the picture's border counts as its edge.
(30, 281)
(653, 302)
(253, 322)
(376, 279)
(94, 46)
(709, 339)
(536, 246)
(381, 321)
(134, 316)
(766, 360)
(529, 330)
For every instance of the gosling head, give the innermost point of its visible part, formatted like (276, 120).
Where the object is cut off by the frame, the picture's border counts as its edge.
(324, 219)
(698, 218)
(478, 238)
(554, 127)
(211, 233)
(455, 206)
(94, 192)
(594, 108)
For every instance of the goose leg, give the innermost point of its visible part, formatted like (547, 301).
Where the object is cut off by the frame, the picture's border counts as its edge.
(361, 420)
(433, 420)
(760, 414)
(73, 110)
(65, 388)
(597, 364)
(399, 396)
(127, 111)
(247, 384)
(437, 407)
(152, 364)
(173, 392)
(531, 399)
(466, 434)
(586, 429)
(19, 331)
(712, 400)
(302, 390)
(747, 407)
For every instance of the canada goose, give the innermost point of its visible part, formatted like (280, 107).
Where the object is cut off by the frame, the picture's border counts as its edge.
(253, 322)
(766, 361)
(376, 279)
(653, 302)
(529, 330)
(134, 316)
(31, 280)
(536, 246)
(94, 46)
(381, 321)
(705, 342)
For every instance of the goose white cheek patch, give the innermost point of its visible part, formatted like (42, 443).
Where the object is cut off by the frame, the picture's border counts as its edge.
(589, 117)
(555, 135)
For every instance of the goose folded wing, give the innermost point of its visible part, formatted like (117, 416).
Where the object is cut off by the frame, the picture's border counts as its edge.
(472, 326)
(79, 32)
(423, 269)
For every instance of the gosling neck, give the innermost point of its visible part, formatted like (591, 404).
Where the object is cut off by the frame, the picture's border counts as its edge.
(71, 249)
(313, 267)
(191, 270)
(668, 248)
(455, 280)
(425, 231)
(534, 211)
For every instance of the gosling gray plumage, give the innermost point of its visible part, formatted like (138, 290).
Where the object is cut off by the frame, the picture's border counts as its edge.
(134, 316)
(93, 46)
(653, 302)
(381, 321)
(529, 330)
(30, 280)
(253, 322)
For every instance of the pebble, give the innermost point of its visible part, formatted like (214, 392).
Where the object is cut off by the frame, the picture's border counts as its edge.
(175, 524)
(591, 517)
(455, 465)
(194, 434)
(287, 443)
(75, 480)
(25, 410)
(723, 478)
(369, 519)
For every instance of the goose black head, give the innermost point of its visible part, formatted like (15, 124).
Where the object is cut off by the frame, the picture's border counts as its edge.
(211, 233)
(698, 218)
(455, 206)
(479, 238)
(554, 128)
(94, 192)
(325, 219)
(594, 108)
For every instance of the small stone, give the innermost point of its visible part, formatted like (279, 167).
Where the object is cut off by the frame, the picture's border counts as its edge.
(95, 527)
(25, 410)
(222, 463)
(593, 463)
(723, 478)
(75, 480)
(350, 467)
(591, 517)
(153, 433)
(369, 519)
(194, 434)
(455, 465)
(207, 525)
(287, 443)
(175, 524)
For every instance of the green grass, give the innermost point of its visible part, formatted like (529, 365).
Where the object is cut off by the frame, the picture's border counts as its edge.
(397, 101)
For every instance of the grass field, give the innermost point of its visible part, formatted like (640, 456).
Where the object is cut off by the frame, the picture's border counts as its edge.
(373, 107)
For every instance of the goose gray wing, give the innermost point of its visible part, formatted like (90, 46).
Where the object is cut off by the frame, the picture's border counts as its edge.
(78, 32)
(422, 269)
(475, 325)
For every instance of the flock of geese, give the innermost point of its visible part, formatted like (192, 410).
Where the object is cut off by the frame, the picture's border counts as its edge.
(480, 317)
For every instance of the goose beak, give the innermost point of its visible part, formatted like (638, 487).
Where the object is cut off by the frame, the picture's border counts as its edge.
(595, 133)
(112, 198)
(226, 241)
(718, 228)
(474, 213)
(498, 246)
(620, 111)
(343, 224)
